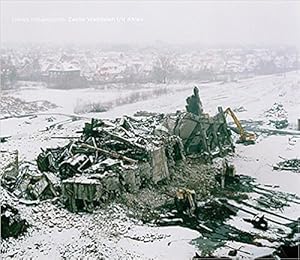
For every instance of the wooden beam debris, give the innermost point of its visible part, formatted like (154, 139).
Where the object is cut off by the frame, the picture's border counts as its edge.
(109, 153)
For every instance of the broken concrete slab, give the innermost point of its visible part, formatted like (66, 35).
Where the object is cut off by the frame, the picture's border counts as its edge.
(81, 192)
(128, 153)
(160, 170)
(204, 134)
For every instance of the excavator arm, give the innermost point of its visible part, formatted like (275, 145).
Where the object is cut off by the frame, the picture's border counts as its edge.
(245, 137)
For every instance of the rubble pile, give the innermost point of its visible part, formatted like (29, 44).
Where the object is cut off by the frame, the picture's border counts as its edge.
(288, 165)
(35, 185)
(129, 153)
(9, 168)
(201, 133)
(12, 223)
(11, 106)
(121, 155)
(204, 135)
(111, 157)
(278, 116)
(25, 181)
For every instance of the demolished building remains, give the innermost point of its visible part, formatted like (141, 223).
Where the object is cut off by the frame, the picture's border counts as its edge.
(123, 155)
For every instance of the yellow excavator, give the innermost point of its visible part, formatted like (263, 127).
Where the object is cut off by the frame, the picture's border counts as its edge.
(245, 137)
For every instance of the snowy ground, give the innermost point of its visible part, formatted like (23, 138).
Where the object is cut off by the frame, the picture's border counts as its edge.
(256, 95)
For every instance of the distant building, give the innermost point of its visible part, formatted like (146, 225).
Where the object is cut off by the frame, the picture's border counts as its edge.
(65, 76)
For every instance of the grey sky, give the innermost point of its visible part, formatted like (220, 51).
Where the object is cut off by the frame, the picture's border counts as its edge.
(235, 22)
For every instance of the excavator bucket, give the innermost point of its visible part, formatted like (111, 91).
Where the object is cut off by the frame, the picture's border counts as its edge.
(247, 138)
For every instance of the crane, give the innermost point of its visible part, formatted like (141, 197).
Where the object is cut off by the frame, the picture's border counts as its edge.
(245, 137)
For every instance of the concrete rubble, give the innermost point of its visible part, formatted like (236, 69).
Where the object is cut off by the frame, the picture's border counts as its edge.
(122, 155)
(201, 134)
(204, 134)
(109, 158)
(26, 182)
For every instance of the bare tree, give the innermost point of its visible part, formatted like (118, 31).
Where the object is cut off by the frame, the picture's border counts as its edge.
(163, 68)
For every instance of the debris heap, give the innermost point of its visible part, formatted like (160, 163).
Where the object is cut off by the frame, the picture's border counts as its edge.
(25, 181)
(111, 157)
(11, 106)
(204, 135)
(12, 223)
(201, 133)
(278, 116)
(288, 165)
(122, 155)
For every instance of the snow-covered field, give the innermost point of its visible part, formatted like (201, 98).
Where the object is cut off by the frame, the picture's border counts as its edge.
(255, 95)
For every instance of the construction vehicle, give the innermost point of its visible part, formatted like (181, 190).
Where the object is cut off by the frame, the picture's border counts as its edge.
(245, 137)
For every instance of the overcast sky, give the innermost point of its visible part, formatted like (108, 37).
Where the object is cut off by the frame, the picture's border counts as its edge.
(219, 22)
